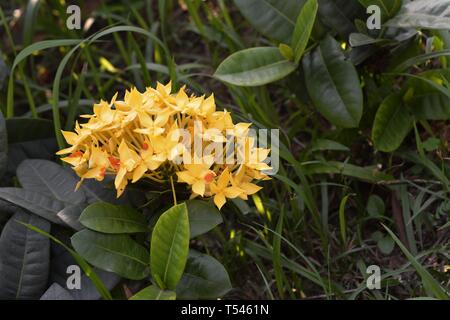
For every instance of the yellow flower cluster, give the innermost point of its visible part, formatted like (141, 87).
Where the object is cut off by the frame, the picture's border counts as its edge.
(140, 137)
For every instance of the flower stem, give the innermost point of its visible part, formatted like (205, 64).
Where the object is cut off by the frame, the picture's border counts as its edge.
(173, 191)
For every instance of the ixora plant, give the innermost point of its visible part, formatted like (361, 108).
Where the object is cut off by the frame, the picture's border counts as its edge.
(145, 142)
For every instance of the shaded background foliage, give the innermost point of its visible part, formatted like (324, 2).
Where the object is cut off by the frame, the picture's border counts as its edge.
(364, 136)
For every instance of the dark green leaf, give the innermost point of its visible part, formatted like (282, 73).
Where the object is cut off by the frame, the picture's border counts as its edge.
(108, 218)
(273, 18)
(392, 124)
(204, 278)
(115, 253)
(203, 217)
(333, 84)
(254, 67)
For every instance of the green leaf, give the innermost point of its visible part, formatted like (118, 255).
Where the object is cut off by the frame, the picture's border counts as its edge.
(170, 246)
(333, 84)
(386, 245)
(24, 258)
(203, 217)
(425, 14)
(431, 285)
(325, 144)
(254, 67)
(375, 206)
(392, 124)
(286, 51)
(3, 145)
(154, 293)
(273, 18)
(204, 278)
(108, 218)
(303, 28)
(115, 253)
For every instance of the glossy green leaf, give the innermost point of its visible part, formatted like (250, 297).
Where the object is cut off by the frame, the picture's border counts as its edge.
(170, 246)
(203, 217)
(425, 14)
(154, 293)
(392, 124)
(204, 278)
(333, 84)
(273, 18)
(303, 28)
(115, 253)
(254, 67)
(108, 218)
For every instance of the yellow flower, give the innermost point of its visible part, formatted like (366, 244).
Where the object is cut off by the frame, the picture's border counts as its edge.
(198, 176)
(141, 137)
(221, 190)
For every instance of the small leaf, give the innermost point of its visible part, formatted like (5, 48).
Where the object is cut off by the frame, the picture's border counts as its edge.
(386, 245)
(170, 246)
(303, 28)
(115, 253)
(392, 124)
(286, 51)
(108, 218)
(203, 217)
(154, 293)
(254, 67)
(204, 278)
(375, 206)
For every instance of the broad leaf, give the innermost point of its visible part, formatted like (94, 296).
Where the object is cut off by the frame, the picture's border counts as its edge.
(70, 216)
(333, 84)
(34, 202)
(254, 67)
(24, 258)
(273, 18)
(154, 293)
(339, 15)
(108, 218)
(170, 246)
(392, 124)
(204, 278)
(50, 179)
(303, 28)
(203, 217)
(425, 14)
(114, 253)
